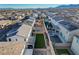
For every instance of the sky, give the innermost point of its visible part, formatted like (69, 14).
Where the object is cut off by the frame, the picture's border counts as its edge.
(28, 5)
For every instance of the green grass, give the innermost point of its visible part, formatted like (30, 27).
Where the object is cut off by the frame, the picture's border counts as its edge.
(39, 43)
(62, 51)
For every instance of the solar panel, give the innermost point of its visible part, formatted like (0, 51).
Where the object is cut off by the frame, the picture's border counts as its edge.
(57, 18)
(68, 25)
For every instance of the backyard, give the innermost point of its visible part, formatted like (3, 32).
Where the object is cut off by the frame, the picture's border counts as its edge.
(62, 52)
(39, 43)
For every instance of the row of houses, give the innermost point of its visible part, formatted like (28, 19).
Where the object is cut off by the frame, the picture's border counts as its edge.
(20, 35)
(66, 30)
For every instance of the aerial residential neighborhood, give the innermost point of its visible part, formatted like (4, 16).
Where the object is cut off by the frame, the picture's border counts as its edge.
(39, 31)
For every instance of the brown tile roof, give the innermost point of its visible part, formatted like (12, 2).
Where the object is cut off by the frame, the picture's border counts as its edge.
(11, 48)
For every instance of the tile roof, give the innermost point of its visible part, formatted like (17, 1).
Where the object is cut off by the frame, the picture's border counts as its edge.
(11, 48)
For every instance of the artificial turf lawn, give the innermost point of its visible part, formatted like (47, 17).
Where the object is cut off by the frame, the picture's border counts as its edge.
(39, 43)
(62, 51)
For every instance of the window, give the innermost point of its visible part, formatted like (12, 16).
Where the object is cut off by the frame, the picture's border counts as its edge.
(32, 34)
(16, 39)
(60, 34)
(53, 29)
(9, 39)
(77, 40)
(24, 39)
(57, 31)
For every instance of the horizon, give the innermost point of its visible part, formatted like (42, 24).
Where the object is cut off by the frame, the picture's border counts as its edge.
(29, 5)
(33, 6)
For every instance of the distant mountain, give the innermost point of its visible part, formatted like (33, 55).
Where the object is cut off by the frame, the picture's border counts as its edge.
(69, 6)
(17, 8)
(6, 8)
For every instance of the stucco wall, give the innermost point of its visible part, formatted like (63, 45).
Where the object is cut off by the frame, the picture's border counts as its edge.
(75, 46)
